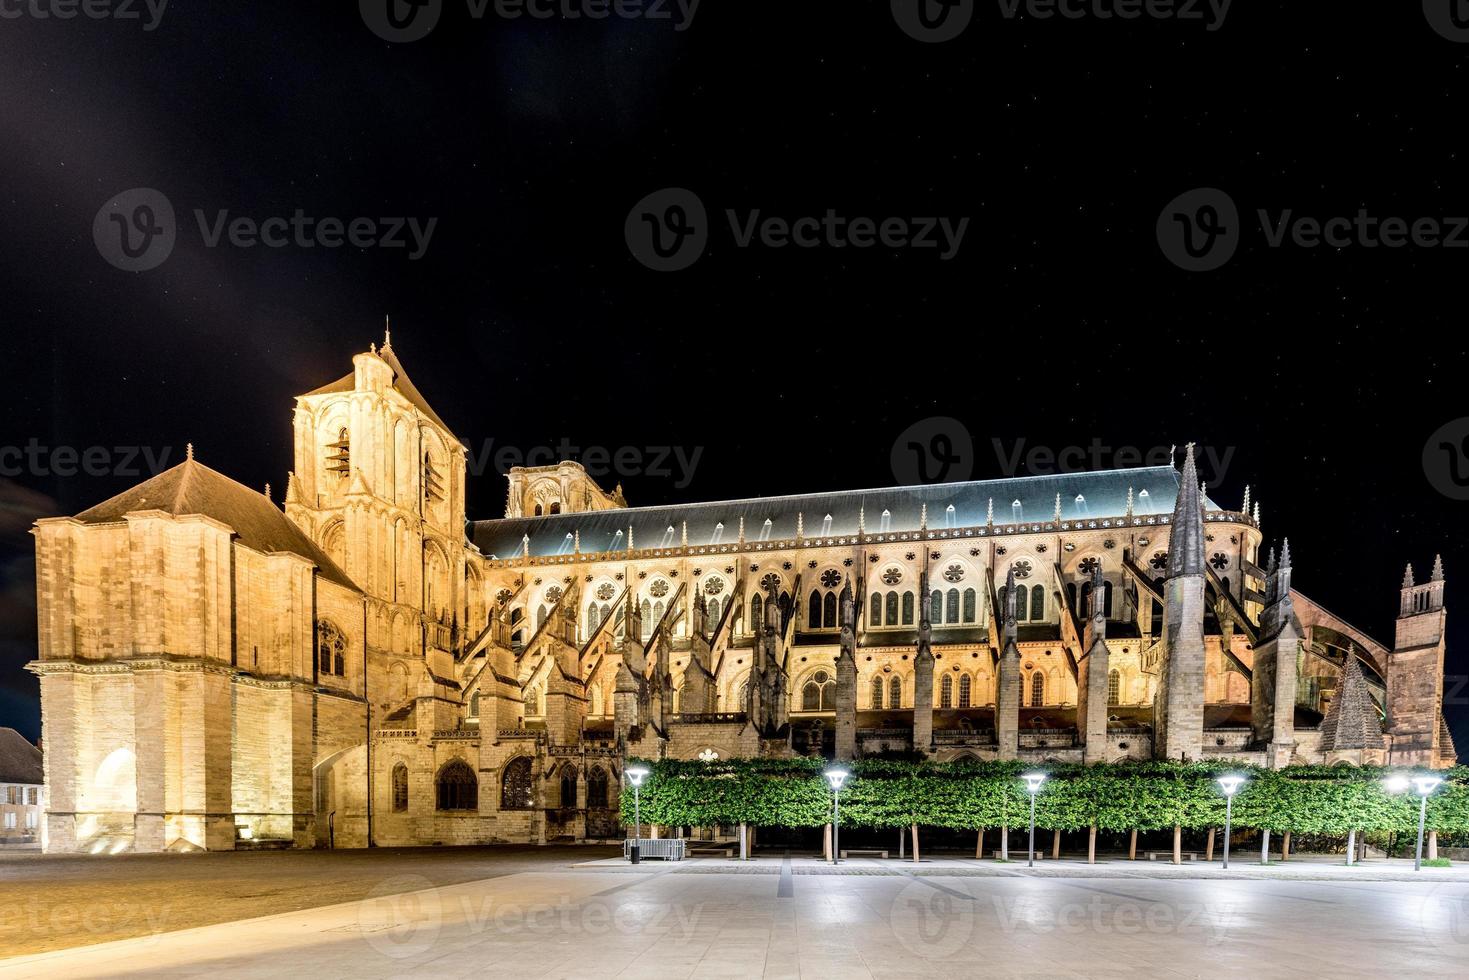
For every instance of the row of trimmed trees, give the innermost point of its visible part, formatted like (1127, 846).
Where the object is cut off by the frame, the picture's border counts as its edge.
(1336, 800)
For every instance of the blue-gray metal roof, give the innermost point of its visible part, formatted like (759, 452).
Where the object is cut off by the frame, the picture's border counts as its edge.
(1101, 493)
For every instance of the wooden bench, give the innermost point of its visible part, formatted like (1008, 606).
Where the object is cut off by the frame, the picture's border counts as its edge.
(867, 853)
(1168, 855)
(711, 851)
(1020, 854)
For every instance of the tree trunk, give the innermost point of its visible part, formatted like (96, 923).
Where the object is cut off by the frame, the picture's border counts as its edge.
(1177, 844)
(1264, 847)
(902, 843)
(1132, 847)
(1091, 844)
(1285, 847)
(826, 842)
(1351, 846)
(1056, 846)
(1433, 845)
(915, 844)
(1209, 848)
(979, 845)
(1005, 842)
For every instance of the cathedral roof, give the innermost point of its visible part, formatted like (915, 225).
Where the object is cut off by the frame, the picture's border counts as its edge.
(1096, 494)
(20, 761)
(401, 383)
(193, 488)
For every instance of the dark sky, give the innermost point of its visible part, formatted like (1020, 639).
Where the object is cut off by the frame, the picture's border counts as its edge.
(1322, 371)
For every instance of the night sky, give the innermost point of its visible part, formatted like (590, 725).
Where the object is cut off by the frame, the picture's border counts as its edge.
(1320, 373)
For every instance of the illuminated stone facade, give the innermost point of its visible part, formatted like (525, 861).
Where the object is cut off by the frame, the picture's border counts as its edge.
(221, 671)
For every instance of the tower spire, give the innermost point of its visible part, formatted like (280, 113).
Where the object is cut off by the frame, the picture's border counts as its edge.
(1408, 582)
(1437, 574)
(1186, 540)
(387, 333)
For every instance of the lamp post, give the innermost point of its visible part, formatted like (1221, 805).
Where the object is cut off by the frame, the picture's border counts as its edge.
(636, 775)
(1424, 787)
(1230, 785)
(1033, 782)
(835, 778)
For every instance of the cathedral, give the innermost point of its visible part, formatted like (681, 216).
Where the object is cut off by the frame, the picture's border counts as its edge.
(360, 664)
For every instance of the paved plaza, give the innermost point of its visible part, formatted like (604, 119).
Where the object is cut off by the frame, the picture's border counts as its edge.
(578, 912)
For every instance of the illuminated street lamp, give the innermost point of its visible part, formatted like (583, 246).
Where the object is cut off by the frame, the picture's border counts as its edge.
(636, 775)
(835, 778)
(1230, 785)
(1424, 787)
(1033, 782)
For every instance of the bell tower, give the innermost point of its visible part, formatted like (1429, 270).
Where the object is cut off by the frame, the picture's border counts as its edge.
(1415, 671)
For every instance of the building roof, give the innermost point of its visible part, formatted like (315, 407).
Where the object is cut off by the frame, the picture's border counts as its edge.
(193, 488)
(20, 761)
(401, 383)
(1352, 721)
(1101, 493)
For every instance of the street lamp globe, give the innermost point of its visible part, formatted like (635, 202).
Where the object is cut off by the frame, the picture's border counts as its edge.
(1230, 784)
(1033, 781)
(1396, 784)
(636, 775)
(1424, 785)
(835, 778)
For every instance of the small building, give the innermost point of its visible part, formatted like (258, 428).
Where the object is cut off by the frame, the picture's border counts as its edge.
(22, 793)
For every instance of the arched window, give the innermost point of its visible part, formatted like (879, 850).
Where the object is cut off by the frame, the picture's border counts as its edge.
(965, 691)
(400, 788)
(936, 607)
(457, 788)
(1085, 609)
(946, 692)
(819, 693)
(596, 789)
(474, 705)
(757, 611)
(1114, 687)
(331, 649)
(907, 609)
(594, 618)
(877, 694)
(541, 614)
(875, 615)
(515, 786)
(813, 612)
(1071, 599)
(539, 511)
(1037, 689)
(712, 612)
(895, 693)
(970, 615)
(830, 616)
(1037, 603)
(568, 787)
(892, 609)
(1107, 599)
(556, 507)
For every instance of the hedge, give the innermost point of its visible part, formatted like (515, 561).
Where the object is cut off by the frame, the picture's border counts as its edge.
(973, 795)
